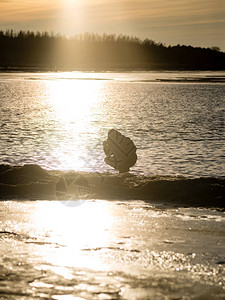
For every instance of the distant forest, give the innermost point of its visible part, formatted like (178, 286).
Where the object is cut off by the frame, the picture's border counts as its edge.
(44, 51)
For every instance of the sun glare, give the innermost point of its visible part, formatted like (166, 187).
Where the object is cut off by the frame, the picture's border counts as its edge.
(75, 231)
(73, 104)
(73, 99)
(72, 1)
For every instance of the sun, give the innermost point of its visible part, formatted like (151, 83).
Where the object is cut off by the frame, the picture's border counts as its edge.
(71, 16)
(71, 2)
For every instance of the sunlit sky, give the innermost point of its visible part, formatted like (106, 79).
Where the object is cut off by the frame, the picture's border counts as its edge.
(190, 22)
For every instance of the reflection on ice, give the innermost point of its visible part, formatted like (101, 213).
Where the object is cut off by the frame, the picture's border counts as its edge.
(75, 229)
(109, 250)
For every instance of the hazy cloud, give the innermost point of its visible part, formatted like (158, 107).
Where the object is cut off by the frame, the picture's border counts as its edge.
(151, 18)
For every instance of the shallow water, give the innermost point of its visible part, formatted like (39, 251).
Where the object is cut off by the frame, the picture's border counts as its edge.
(110, 250)
(59, 120)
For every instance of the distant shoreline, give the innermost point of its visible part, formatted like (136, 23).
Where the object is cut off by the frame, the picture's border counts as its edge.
(103, 69)
(202, 78)
(30, 51)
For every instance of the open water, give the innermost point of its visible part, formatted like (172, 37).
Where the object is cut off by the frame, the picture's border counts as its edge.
(59, 120)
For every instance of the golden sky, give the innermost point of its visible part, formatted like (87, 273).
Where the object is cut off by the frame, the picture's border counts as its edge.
(190, 22)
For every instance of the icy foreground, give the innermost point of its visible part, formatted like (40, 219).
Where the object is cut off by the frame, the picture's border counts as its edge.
(160, 247)
(110, 250)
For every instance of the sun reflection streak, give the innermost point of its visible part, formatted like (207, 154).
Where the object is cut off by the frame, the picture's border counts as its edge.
(73, 100)
(72, 233)
(73, 104)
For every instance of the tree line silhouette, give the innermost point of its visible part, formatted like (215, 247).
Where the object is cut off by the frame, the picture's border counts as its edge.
(35, 50)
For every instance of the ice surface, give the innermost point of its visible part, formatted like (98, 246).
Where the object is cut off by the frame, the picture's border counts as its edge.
(110, 250)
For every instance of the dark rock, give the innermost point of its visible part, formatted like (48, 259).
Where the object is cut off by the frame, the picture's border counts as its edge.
(120, 151)
(23, 174)
(221, 262)
(4, 168)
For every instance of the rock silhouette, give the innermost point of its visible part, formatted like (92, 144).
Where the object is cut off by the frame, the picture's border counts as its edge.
(120, 151)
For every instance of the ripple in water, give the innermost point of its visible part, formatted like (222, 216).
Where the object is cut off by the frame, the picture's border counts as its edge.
(60, 123)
